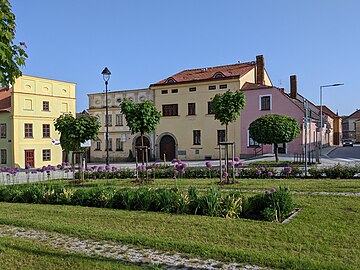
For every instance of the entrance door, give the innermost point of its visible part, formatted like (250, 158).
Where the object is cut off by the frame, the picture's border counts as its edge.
(167, 147)
(29, 158)
(139, 150)
(282, 148)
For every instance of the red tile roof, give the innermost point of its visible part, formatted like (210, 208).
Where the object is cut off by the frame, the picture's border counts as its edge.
(253, 86)
(354, 115)
(5, 99)
(327, 111)
(202, 74)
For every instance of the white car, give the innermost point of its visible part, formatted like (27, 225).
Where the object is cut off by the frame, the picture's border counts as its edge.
(348, 142)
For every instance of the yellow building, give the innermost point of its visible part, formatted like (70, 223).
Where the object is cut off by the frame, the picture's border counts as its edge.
(35, 104)
(187, 128)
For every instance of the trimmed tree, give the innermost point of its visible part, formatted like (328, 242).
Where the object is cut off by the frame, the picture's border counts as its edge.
(11, 56)
(227, 108)
(74, 131)
(140, 117)
(274, 129)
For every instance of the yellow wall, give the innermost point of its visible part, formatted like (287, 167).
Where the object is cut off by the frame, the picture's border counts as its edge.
(6, 143)
(27, 99)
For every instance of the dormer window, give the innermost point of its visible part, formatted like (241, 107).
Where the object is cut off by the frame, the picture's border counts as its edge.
(218, 75)
(170, 80)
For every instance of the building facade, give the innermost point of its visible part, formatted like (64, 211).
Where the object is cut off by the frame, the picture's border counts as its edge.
(34, 105)
(188, 129)
(122, 144)
(349, 125)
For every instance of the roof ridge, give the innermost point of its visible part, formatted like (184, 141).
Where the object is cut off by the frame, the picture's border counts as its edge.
(245, 63)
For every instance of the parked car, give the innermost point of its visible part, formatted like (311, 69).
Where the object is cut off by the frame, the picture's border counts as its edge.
(348, 142)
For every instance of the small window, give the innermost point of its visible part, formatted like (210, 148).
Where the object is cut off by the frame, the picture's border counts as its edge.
(3, 131)
(223, 86)
(98, 145)
(170, 110)
(28, 130)
(196, 137)
(46, 154)
(212, 87)
(3, 158)
(218, 75)
(174, 91)
(164, 92)
(192, 89)
(46, 131)
(109, 120)
(210, 107)
(265, 103)
(220, 135)
(46, 106)
(119, 144)
(191, 109)
(119, 120)
(170, 80)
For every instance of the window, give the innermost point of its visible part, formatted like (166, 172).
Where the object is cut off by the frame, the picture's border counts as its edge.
(221, 135)
(98, 145)
(174, 91)
(265, 103)
(119, 144)
(196, 137)
(110, 144)
(218, 75)
(3, 156)
(170, 80)
(46, 106)
(28, 130)
(46, 131)
(212, 87)
(191, 109)
(192, 89)
(210, 107)
(46, 154)
(2, 131)
(164, 92)
(109, 120)
(170, 110)
(119, 120)
(223, 86)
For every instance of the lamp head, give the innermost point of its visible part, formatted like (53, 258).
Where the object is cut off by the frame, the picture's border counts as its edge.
(106, 74)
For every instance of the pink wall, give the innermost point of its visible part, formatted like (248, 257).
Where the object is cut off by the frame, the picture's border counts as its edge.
(281, 104)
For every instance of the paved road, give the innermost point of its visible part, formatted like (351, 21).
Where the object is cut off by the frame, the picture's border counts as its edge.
(346, 152)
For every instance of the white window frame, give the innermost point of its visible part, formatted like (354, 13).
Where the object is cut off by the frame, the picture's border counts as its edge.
(248, 140)
(266, 95)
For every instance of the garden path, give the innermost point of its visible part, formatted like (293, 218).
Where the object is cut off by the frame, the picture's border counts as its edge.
(143, 256)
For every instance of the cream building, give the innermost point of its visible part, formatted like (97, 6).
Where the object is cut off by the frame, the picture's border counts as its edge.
(122, 144)
(187, 128)
(30, 134)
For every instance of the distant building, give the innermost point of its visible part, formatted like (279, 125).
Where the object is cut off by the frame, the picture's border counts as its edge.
(349, 125)
(122, 144)
(27, 113)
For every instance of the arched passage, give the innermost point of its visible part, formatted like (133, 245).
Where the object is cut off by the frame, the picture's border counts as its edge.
(167, 147)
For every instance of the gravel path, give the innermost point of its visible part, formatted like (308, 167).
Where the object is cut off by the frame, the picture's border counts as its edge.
(117, 251)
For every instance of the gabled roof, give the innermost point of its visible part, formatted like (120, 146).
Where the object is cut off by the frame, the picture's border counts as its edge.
(327, 111)
(354, 115)
(5, 99)
(210, 73)
(253, 86)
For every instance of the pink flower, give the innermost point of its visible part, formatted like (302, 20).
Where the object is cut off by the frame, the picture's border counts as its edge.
(208, 164)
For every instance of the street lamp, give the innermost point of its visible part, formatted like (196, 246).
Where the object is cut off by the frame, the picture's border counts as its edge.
(106, 76)
(321, 109)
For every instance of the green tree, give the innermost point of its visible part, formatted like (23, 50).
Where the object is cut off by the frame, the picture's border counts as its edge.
(140, 117)
(74, 131)
(274, 129)
(227, 107)
(12, 56)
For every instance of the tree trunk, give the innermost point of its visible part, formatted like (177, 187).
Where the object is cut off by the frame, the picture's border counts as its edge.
(276, 150)
(142, 149)
(227, 153)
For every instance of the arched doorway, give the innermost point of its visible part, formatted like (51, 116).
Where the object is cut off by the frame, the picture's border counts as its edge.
(139, 152)
(167, 147)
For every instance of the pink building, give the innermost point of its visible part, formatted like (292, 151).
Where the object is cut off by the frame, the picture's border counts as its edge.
(262, 100)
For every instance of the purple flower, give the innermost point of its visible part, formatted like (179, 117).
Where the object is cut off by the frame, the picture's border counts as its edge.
(66, 171)
(184, 165)
(231, 164)
(208, 164)
(156, 165)
(33, 172)
(176, 172)
(27, 166)
(287, 170)
(258, 172)
(174, 177)
(182, 171)
(262, 169)
(270, 174)
(223, 166)
(273, 190)
(94, 177)
(100, 169)
(107, 168)
(174, 160)
(267, 192)
(239, 164)
(225, 174)
(236, 159)
(141, 168)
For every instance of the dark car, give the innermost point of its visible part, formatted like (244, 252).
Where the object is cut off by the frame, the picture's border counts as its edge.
(348, 142)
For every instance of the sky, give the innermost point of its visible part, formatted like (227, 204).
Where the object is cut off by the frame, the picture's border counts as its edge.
(145, 41)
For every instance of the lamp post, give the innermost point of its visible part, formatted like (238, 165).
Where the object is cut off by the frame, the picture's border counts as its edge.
(321, 109)
(106, 76)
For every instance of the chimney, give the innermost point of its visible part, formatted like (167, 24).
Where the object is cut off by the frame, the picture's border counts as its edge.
(293, 86)
(259, 69)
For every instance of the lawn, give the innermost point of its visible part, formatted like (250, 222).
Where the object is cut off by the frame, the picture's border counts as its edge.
(324, 235)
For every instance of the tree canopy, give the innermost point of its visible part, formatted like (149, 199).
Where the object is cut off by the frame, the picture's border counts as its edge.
(74, 131)
(12, 56)
(274, 129)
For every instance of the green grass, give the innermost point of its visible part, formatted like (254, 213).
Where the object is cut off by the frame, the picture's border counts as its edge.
(311, 185)
(24, 254)
(324, 235)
